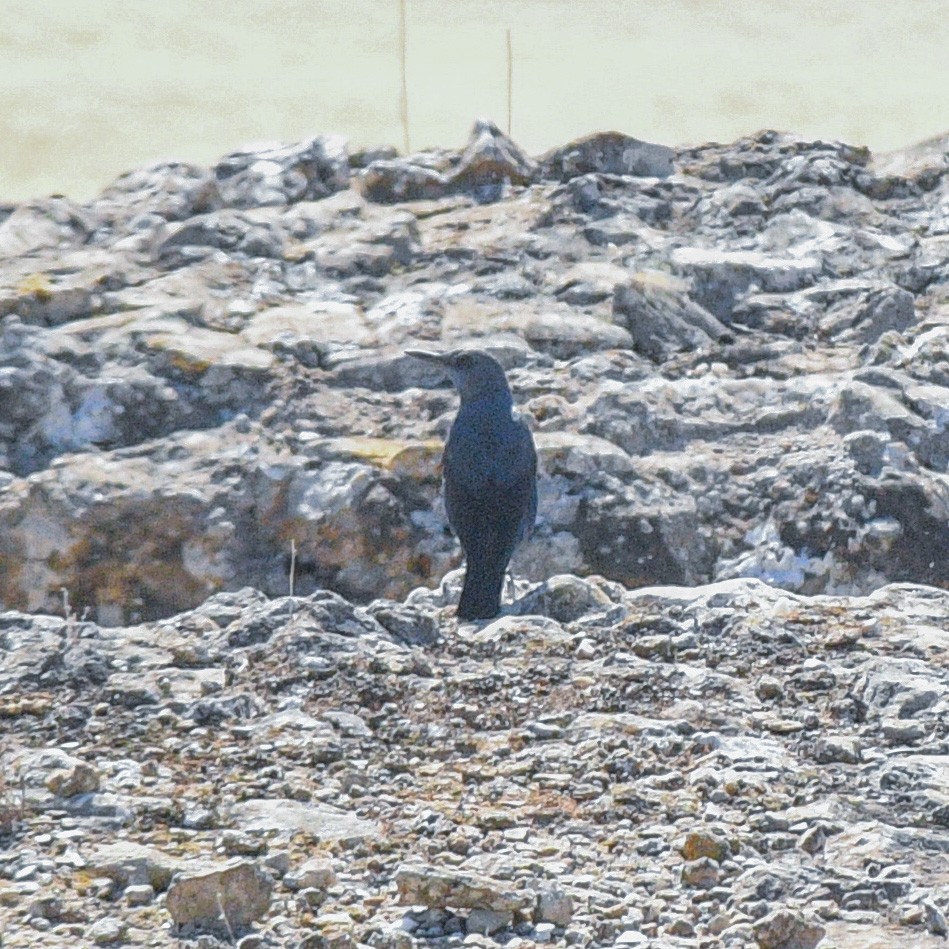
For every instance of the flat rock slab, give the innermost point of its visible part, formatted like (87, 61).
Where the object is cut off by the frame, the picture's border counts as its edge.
(129, 864)
(436, 887)
(775, 274)
(320, 821)
(845, 935)
(319, 322)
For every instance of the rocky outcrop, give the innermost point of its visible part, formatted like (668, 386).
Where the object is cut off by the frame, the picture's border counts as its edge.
(733, 356)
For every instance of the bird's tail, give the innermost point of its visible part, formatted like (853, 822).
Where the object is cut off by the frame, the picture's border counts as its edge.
(481, 594)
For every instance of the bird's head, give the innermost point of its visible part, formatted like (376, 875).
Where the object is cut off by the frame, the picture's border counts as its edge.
(474, 373)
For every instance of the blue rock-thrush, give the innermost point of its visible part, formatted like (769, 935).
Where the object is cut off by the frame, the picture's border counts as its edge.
(490, 473)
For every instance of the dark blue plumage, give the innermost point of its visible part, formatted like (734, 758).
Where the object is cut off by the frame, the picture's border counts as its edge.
(490, 472)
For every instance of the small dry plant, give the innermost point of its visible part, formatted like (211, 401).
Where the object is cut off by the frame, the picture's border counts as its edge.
(12, 793)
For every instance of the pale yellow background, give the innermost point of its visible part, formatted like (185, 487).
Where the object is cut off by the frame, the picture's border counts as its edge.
(90, 88)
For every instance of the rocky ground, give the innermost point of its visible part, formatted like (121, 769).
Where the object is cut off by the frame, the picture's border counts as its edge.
(728, 765)
(721, 721)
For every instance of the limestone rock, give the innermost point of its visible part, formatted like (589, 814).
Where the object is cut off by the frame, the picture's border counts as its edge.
(431, 886)
(661, 319)
(132, 864)
(139, 894)
(785, 929)
(566, 598)
(488, 921)
(39, 225)
(108, 931)
(390, 180)
(564, 335)
(607, 153)
(220, 899)
(774, 407)
(703, 843)
(555, 906)
(834, 748)
(77, 777)
(702, 873)
(282, 174)
(315, 873)
(320, 821)
(144, 198)
(719, 278)
(490, 159)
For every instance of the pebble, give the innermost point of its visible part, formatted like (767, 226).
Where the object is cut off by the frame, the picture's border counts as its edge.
(139, 894)
(703, 873)
(315, 873)
(703, 843)
(554, 906)
(631, 938)
(107, 931)
(487, 921)
(544, 932)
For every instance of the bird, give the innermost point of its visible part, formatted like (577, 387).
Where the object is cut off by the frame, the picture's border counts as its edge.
(489, 472)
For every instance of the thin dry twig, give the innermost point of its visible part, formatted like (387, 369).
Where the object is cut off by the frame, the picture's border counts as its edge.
(510, 82)
(293, 570)
(404, 97)
(11, 810)
(227, 922)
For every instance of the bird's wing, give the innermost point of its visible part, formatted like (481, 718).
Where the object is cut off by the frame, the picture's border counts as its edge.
(496, 509)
